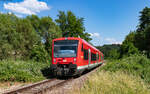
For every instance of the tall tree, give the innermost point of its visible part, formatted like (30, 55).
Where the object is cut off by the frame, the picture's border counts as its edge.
(27, 38)
(46, 29)
(144, 19)
(71, 25)
(49, 31)
(128, 47)
(142, 33)
(139, 39)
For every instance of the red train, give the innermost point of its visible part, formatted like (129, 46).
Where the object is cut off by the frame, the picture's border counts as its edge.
(71, 56)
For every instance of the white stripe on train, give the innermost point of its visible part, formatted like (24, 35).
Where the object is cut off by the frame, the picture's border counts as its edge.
(89, 66)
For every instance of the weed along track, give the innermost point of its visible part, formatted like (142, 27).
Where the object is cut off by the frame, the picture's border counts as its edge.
(38, 88)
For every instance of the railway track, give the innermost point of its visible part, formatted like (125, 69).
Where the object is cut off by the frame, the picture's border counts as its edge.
(47, 85)
(39, 88)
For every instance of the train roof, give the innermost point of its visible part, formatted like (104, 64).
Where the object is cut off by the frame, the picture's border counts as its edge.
(68, 38)
(76, 38)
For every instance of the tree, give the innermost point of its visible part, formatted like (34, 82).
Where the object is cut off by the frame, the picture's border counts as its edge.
(114, 54)
(108, 50)
(35, 21)
(142, 33)
(71, 25)
(27, 38)
(144, 19)
(128, 47)
(147, 40)
(7, 35)
(47, 30)
(139, 39)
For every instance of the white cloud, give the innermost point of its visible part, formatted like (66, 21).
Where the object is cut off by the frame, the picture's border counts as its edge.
(27, 7)
(112, 41)
(96, 38)
(94, 34)
(9, 12)
(1, 12)
(18, 15)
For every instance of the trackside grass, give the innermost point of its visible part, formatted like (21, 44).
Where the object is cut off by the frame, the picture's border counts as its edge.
(21, 71)
(113, 83)
(129, 75)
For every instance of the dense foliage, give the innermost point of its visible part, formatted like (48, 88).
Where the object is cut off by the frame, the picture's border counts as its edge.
(138, 41)
(26, 42)
(21, 71)
(135, 64)
(110, 51)
(27, 38)
(71, 25)
(31, 37)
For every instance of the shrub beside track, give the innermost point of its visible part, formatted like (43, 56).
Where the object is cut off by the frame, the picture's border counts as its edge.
(21, 71)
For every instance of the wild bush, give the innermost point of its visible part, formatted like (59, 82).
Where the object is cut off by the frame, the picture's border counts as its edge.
(39, 54)
(135, 64)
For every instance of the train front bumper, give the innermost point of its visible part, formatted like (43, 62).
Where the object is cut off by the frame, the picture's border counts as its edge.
(63, 69)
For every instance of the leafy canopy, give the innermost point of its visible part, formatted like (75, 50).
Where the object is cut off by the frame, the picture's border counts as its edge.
(71, 25)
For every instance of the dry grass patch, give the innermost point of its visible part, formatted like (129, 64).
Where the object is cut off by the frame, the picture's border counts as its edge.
(113, 83)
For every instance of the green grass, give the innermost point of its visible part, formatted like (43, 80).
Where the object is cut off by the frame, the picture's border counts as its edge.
(113, 83)
(21, 71)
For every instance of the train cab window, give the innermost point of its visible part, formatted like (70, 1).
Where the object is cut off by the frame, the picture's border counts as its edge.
(65, 48)
(85, 54)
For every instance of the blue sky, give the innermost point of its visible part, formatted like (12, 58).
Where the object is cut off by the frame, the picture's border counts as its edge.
(108, 21)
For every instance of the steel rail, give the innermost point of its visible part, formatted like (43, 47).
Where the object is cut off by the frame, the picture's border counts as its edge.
(27, 87)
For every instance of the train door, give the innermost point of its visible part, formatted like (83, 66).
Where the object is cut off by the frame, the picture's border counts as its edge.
(96, 57)
(102, 57)
(89, 55)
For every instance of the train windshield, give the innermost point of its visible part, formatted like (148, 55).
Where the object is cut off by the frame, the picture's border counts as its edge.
(65, 48)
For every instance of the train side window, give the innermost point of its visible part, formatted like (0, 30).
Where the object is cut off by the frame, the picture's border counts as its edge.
(93, 57)
(85, 54)
(101, 57)
(82, 47)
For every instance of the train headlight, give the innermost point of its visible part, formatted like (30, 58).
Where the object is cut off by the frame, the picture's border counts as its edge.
(64, 60)
(54, 60)
(75, 60)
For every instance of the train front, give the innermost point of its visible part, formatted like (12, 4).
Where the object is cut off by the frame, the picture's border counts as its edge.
(64, 57)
